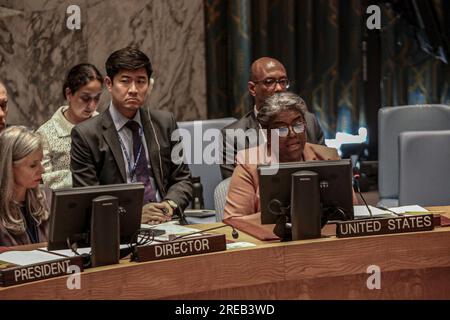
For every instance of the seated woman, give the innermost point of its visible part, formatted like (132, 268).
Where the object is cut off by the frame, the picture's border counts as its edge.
(284, 113)
(82, 89)
(23, 210)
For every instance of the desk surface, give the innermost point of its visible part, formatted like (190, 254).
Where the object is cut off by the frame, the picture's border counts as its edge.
(413, 266)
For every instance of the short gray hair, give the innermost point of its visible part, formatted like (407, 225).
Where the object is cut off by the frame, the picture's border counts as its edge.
(279, 102)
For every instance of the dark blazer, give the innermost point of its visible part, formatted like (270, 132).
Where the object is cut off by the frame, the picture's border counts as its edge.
(314, 135)
(97, 159)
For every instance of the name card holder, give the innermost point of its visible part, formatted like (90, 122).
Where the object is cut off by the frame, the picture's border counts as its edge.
(371, 227)
(11, 274)
(182, 247)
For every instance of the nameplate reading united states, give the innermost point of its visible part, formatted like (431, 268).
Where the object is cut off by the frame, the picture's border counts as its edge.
(370, 227)
(182, 247)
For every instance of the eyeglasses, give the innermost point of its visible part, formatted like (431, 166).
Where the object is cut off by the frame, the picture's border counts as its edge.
(271, 83)
(297, 127)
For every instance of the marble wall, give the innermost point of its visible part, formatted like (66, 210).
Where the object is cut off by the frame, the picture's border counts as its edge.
(37, 49)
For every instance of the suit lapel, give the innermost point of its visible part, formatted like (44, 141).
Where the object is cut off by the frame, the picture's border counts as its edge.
(153, 151)
(111, 137)
(252, 123)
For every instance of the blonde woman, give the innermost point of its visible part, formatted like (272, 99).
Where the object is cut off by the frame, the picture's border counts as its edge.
(23, 210)
(82, 90)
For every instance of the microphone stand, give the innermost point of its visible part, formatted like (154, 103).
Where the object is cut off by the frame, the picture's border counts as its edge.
(234, 233)
(356, 181)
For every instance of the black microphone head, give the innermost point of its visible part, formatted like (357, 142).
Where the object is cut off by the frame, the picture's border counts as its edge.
(235, 234)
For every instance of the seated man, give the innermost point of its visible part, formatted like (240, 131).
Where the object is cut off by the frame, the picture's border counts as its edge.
(268, 76)
(127, 143)
(3, 106)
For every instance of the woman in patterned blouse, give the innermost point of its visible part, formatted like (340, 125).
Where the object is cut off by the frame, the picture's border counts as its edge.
(82, 89)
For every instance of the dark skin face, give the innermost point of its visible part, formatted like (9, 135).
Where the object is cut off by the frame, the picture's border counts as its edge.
(263, 69)
(290, 147)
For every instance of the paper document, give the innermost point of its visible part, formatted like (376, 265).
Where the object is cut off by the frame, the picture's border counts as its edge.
(413, 208)
(238, 245)
(171, 227)
(24, 258)
(70, 253)
(362, 212)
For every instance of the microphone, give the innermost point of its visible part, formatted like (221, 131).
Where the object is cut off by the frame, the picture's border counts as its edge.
(234, 233)
(393, 212)
(356, 176)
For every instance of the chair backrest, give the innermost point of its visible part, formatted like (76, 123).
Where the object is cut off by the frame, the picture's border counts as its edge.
(391, 122)
(220, 197)
(424, 168)
(198, 141)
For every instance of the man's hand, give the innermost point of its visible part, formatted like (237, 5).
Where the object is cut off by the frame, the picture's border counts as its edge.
(156, 213)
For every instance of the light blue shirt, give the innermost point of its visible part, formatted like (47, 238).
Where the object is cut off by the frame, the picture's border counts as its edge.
(127, 138)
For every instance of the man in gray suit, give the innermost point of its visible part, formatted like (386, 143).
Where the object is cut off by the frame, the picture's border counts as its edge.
(128, 143)
(268, 76)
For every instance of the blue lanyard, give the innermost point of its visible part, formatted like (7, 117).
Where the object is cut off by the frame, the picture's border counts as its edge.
(132, 170)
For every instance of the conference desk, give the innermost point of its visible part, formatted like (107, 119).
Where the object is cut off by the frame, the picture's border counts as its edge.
(412, 265)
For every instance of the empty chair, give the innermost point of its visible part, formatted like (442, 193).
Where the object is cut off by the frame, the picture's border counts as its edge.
(424, 168)
(220, 197)
(391, 122)
(203, 154)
